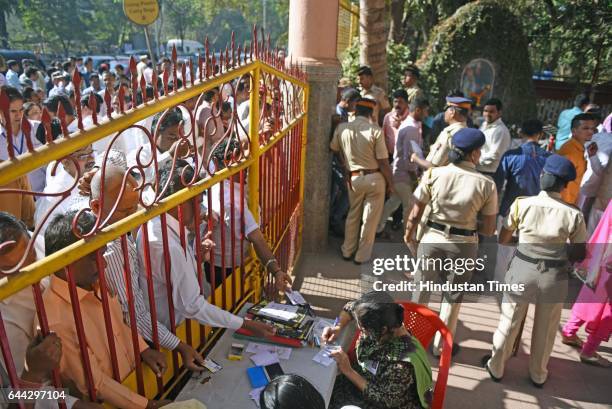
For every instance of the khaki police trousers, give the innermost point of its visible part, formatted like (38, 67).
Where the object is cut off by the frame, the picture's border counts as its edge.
(366, 200)
(547, 288)
(402, 196)
(437, 246)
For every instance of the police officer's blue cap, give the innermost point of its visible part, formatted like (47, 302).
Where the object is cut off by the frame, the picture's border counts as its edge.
(460, 102)
(561, 167)
(468, 139)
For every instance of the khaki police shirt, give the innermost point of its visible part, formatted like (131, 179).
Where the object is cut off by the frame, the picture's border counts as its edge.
(545, 223)
(438, 153)
(361, 143)
(413, 93)
(457, 194)
(377, 94)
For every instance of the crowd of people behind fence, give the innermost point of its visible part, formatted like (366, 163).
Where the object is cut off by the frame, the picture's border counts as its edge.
(453, 186)
(111, 196)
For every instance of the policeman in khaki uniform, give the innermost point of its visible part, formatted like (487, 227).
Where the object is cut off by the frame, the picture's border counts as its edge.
(545, 223)
(410, 81)
(458, 195)
(371, 91)
(456, 113)
(363, 153)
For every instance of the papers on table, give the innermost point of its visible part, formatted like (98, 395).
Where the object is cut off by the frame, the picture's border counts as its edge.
(323, 358)
(254, 394)
(296, 298)
(264, 358)
(255, 348)
(283, 312)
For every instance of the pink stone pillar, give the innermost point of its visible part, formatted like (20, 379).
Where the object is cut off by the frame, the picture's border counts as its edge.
(313, 30)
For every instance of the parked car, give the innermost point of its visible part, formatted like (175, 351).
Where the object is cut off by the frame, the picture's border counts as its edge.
(19, 55)
(184, 46)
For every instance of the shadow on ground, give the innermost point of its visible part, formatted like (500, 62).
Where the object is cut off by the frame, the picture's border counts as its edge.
(327, 282)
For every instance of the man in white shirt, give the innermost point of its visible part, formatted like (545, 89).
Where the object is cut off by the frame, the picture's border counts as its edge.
(64, 178)
(18, 312)
(20, 145)
(210, 125)
(142, 64)
(59, 84)
(95, 84)
(497, 137)
(102, 204)
(596, 185)
(225, 262)
(108, 78)
(404, 170)
(188, 302)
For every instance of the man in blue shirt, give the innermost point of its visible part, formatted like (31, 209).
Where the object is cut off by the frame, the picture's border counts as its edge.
(520, 171)
(520, 168)
(12, 76)
(565, 120)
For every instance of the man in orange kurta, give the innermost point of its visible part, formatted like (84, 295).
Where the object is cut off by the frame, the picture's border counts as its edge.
(19, 205)
(583, 128)
(60, 316)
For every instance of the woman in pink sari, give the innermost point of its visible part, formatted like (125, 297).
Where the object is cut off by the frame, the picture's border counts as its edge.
(594, 306)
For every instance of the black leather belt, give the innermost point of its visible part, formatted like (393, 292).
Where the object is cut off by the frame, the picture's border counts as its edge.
(452, 230)
(547, 263)
(364, 172)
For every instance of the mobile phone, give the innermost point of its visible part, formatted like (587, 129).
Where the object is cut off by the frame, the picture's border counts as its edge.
(272, 371)
(235, 353)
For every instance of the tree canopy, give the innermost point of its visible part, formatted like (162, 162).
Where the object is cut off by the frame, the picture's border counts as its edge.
(99, 26)
(571, 38)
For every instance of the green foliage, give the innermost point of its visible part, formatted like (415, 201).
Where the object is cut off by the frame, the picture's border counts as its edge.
(566, 36)
(182, 16)
(350, 61)
(196, 19)
(398, 57)
(99, 26)
(54, 21)
(107, 24)
(487, 30)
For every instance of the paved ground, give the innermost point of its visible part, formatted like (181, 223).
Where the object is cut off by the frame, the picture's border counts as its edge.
(327, 282)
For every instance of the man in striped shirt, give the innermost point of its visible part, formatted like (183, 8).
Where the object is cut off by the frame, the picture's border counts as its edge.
(104, 195)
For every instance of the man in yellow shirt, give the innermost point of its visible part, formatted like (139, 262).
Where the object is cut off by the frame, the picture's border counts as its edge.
(583, 127)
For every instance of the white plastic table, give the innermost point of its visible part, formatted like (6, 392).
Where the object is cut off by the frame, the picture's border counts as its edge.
(230, 387)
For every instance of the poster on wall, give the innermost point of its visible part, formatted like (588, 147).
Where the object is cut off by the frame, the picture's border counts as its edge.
(477, 80)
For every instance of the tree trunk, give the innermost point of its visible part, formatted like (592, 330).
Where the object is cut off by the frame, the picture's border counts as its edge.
(373, 30)
(3, 31)
(396, 30)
